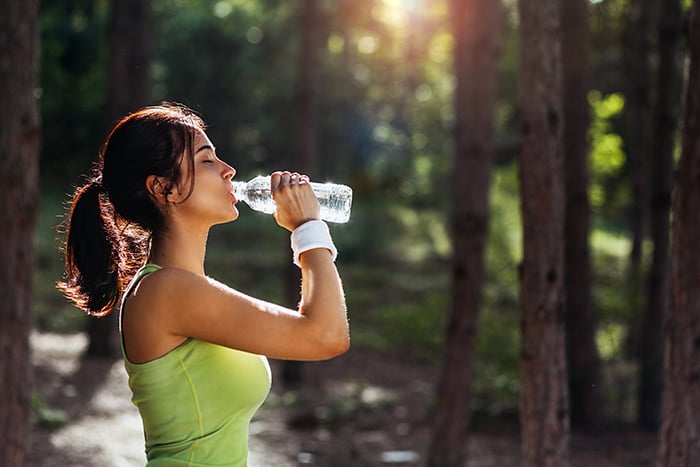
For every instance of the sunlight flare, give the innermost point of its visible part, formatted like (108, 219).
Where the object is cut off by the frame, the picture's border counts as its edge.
(397, 12)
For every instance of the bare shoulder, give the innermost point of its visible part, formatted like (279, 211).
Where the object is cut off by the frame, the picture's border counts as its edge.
(147, 319)
(169, 286)
(172, 304)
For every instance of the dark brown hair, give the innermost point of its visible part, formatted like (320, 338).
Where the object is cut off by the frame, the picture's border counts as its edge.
(113, 216)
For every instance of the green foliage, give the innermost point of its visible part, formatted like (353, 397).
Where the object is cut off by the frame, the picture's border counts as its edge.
(386, 115)
(73, 50)
(610, 340)
(51, 310)
(496, 365)
(232, 62)
(385, 130)
(416, 326)
(607, 157)
(396, 279)
(614, 300)
(616, 304)
(608, 20)
(44, 416)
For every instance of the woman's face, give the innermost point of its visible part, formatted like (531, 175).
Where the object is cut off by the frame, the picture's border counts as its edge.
(211, 200)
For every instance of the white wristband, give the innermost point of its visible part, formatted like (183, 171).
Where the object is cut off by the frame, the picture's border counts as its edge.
(310, 235)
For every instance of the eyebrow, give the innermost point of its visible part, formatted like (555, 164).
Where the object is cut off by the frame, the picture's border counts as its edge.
(202, 148)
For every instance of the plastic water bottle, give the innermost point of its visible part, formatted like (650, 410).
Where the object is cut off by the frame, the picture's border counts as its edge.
(335, 199)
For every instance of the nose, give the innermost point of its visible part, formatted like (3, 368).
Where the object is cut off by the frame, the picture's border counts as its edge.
(229, 171)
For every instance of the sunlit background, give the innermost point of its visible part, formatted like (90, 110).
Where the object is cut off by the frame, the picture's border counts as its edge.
(385, 98)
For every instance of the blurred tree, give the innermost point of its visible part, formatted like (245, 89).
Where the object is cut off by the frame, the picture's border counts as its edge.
(638, 113)
(665, 119)
(307, 88)
(303, 157)
(234, 63)
(638, 38)
(476, 28)
(544, 410)
(129, 49)
(72, 86)
(679, 437)
(610, 184)
(128, 88)
(582, 355)
(19, 156)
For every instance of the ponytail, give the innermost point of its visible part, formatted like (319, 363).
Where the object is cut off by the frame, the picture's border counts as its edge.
(92, 253)
(113, 217)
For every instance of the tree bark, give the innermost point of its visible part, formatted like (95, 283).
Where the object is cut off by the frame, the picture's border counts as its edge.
(129, 61)
(307, 95)
(637, 138)
(128, 88)
(476, 27)
(19, 163)
(305, 150)
(666, 114)
(544, 410)
(638, 112)
(582, 355)
(679, 437)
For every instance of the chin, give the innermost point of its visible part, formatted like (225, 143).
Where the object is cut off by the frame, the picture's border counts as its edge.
(234, 215)
(225, 219)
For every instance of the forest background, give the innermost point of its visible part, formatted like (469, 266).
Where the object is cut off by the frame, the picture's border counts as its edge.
(385, 93)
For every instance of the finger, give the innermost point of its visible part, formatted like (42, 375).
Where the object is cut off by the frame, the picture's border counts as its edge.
(275, 180)
(284, 179)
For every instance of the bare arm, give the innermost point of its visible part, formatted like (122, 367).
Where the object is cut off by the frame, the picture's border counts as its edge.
(189, 305)
(182, 304)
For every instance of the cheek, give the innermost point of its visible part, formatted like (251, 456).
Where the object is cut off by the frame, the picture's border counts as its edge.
(179, 194)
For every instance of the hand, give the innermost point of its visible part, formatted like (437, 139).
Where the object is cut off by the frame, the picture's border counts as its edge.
(295, 200)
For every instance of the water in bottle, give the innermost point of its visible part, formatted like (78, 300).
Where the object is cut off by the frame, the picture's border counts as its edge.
(335, 199)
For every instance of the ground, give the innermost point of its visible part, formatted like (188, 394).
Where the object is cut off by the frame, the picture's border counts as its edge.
(362, 409)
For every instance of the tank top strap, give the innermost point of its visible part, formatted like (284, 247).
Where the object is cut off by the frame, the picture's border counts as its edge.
(140, 274)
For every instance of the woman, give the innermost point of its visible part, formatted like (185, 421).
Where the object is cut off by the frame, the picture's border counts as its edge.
(194, 348)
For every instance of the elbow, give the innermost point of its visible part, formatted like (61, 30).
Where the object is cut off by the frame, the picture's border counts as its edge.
(342, 346)
(327, 337)
(334, 345)
(336, 350)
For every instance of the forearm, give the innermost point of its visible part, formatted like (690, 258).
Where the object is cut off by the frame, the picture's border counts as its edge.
(322, 297)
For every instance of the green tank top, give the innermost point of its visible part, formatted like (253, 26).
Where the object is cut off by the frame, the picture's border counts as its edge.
(196, 401)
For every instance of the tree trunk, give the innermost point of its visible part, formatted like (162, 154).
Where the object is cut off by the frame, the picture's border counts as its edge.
(19, 166)
(306, 135)
(583, 361)
(665, 124)
(638, 112)
(129, 61)
(476, 27)
(304, 153)
(679, 438)
(544, 411)
(638, 122)
(128, 88)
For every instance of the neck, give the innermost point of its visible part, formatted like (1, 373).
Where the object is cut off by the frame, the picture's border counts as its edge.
(181, 248)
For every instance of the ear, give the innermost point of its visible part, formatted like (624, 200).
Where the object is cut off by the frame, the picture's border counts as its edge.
(157, 187)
